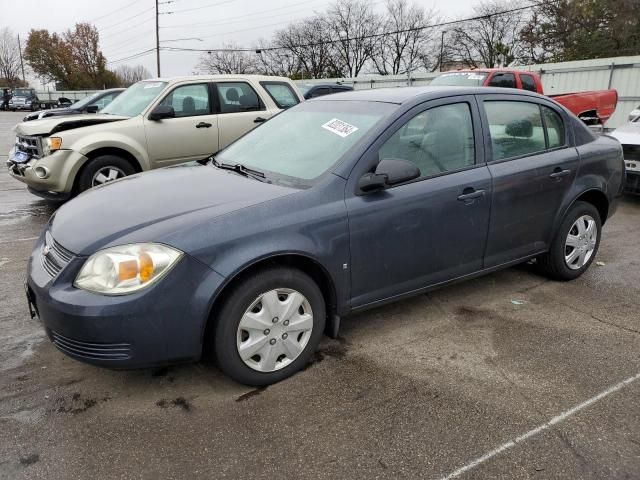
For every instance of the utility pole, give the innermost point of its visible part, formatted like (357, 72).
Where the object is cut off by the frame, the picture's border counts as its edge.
(158, 37)
(442, 49)
(21, 62)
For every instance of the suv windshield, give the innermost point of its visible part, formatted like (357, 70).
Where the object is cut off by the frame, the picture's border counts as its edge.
(135, 99)
(460, 79)
(297, 146)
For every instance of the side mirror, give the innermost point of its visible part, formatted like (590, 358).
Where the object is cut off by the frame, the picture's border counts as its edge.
(92, 109)
(389, 172)
(162, 111)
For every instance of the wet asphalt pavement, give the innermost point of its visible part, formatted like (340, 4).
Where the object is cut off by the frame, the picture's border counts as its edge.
(461, 382)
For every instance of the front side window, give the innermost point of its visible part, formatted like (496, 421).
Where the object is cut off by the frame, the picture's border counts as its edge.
(528, 83)
(515, 128)
(281, 93)
(238, 97)
(503, 80)
(437, 140)
(189, 100)
(298, 145)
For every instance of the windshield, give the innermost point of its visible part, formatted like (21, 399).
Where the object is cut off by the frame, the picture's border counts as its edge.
(304, 88)
(135, 99)
(83, 102)
(21, 92)
(297, 146)
(460, 79)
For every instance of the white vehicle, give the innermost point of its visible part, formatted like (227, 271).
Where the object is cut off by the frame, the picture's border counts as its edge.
(152, 124)
(635, 113)
(629, 136)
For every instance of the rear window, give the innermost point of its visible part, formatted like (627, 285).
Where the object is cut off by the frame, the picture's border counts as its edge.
(281, 93)
(460, 79)
(503, 80)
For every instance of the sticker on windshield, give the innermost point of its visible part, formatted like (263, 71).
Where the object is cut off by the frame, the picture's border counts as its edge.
(339, 127)
(153, 85)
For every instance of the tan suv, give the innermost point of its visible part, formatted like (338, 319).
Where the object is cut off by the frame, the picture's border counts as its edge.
(154, 123)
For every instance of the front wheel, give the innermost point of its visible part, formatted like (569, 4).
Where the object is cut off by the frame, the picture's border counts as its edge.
(103, 169)
(269, 326)
(575, 245)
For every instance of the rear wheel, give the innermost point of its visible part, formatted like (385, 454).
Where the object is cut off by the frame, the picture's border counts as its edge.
(575, 245)
(269, 326)
(103, 169)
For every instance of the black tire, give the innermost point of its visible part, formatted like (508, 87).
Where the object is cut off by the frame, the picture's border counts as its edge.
(240, 299)
(93, 166)
(553, 263)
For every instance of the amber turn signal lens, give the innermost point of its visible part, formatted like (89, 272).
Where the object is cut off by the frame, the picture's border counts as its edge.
(55, 143)
(146, 267)
(127, 270)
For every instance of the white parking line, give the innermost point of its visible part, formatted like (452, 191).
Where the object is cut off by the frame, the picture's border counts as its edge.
(545, 426)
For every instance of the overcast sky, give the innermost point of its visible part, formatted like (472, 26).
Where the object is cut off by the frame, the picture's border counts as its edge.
(127, 27)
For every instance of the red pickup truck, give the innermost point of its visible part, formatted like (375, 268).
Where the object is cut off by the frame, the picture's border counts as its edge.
(594, 108)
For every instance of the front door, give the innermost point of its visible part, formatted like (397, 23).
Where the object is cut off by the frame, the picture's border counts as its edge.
(532, 167)
(191, 135)
(432, 229)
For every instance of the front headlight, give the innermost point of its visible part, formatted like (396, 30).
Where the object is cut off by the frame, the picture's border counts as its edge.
(51, 144)
(126, 268)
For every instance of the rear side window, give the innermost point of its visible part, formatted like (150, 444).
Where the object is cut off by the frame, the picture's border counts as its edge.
(437, 140)
(504, 80)
(555, 128)
(281, 93)
(515, 128)
(528, 83)
(238, 97)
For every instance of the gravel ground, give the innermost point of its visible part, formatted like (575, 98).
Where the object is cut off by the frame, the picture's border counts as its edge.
(461, 382)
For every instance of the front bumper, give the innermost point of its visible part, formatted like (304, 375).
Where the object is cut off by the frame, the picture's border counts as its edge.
(63, 165)
(20, 106)
(160, 325)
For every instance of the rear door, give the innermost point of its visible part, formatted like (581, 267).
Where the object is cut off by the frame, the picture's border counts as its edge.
(191, 135)
(432, 229)
(240, 110)
(532, 166)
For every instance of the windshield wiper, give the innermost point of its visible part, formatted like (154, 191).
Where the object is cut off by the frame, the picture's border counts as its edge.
(241, 169)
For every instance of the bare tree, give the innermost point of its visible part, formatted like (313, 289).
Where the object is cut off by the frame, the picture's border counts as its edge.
(355, 29)
(278, 61)
(402, 49)
(229, 59)
(127, 75)
(491, 40)
(9, 55)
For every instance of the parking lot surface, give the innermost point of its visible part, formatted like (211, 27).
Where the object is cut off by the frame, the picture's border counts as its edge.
(507, 376)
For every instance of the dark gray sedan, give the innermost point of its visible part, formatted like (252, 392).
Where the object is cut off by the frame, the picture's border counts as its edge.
(337, 205)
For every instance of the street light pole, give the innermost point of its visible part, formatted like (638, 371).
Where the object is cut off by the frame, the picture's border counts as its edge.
(158, 38)
(442, 49)
(21, 62)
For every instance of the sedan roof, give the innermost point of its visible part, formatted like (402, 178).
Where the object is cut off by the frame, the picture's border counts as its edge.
(400, 95)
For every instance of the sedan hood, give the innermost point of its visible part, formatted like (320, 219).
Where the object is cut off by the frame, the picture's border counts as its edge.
(49, 113)
(49, 125)
(155, 206)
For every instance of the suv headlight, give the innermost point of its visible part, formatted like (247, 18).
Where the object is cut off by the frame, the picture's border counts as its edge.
(126, 268)
(51, 144)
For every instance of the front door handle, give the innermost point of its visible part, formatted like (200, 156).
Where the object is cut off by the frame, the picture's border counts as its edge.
(559, 173)
(203, 125)
(470, 195)
(259, 120)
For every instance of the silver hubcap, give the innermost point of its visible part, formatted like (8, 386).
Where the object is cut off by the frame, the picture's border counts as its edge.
(581, 242)
(274, 330)
(106, 174)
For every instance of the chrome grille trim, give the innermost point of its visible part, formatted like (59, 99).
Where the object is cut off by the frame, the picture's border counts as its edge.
(54, 256)
(32, 146)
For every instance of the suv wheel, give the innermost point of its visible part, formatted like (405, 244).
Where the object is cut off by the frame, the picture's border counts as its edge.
(269, 326)
(103, 169)
(575, 245)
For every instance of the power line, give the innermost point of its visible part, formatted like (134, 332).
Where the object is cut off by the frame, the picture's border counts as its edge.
(125, 20)
(127, 29)
(114, 11)
(364, 37)
(134, 56)
(203, 6)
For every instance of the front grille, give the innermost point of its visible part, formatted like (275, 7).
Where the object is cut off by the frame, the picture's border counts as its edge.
(91, 351)
(32, 146)
(54, 256)
(631, 152)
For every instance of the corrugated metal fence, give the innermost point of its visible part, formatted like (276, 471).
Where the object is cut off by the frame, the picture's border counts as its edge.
(621, 73)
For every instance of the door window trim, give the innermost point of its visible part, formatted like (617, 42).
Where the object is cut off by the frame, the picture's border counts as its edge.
(175, 87)
(488, 146)
(218, 111)
(369, 159)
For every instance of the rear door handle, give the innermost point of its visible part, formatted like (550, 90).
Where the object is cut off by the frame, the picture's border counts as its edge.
(558, 173)
(471, 195)
(203, 125)
(259, 120)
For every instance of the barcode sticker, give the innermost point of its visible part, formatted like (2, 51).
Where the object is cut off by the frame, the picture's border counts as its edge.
(339, 127)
